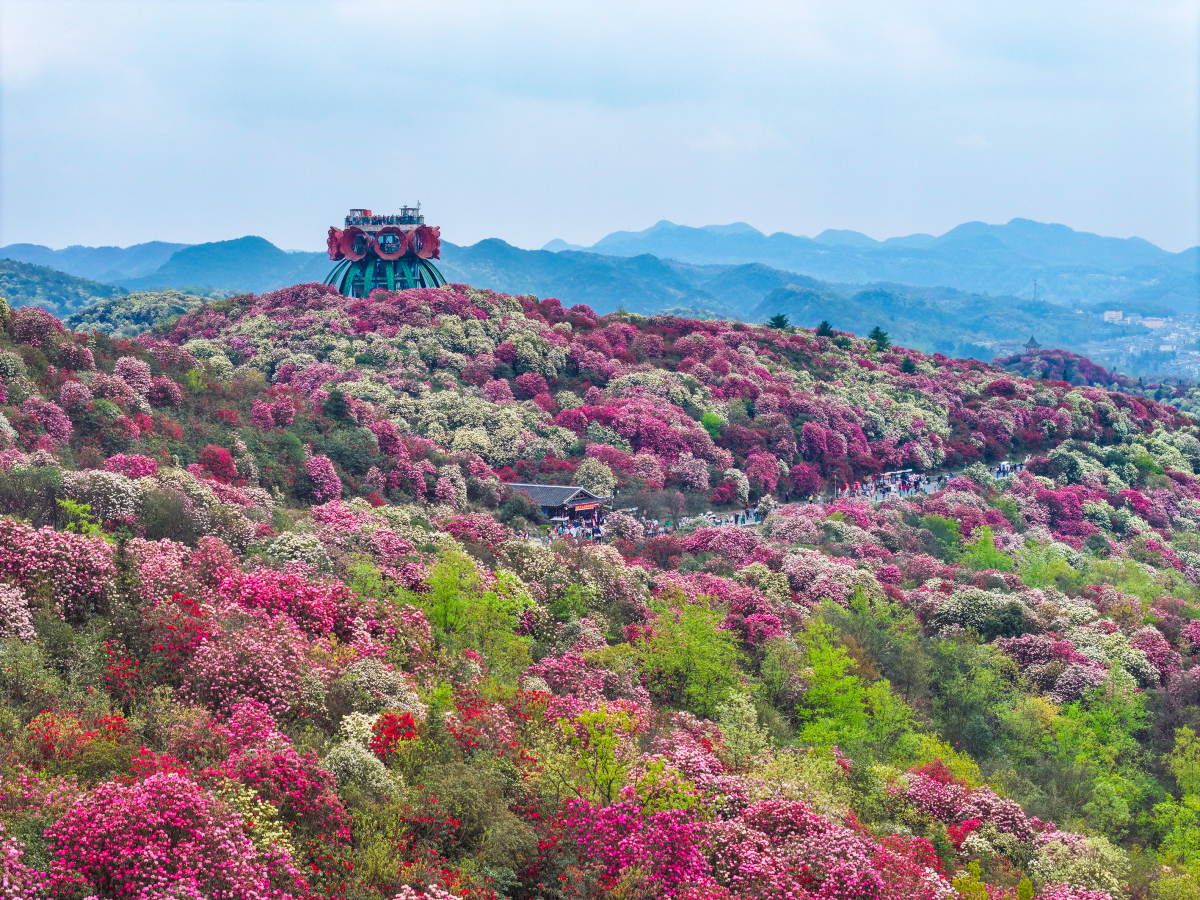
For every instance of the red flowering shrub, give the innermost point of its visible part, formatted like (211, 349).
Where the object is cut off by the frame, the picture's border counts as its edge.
(219, 463)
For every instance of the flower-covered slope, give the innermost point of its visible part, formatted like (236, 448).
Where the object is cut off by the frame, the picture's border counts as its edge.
(269, 629)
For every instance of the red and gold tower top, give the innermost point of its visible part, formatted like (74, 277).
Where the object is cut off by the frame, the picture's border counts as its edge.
(389, 236)
(389, 250)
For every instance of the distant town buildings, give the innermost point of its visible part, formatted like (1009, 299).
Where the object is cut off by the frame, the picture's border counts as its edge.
(1113, 315)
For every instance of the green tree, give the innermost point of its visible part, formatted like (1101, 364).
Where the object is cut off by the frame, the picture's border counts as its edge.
(467, 615)
(824, 329)
(602, 751)
(907, 366)
(834, 708)
(982, 554)
(880, 338)
(712, 424)
(690, 662)
(1184, 761)
(779, 320)
(336, 407)
(945, 535)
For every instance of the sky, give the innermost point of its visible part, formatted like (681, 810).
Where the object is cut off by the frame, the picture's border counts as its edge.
(124, 122)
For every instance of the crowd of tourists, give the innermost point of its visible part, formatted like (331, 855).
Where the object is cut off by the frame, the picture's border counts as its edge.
(888, 486)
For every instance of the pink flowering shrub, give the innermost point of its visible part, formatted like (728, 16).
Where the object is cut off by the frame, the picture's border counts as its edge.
(1189, 636)
(131, 465)
(163, 836)
(134, 372)
(498, 391)
(1070, 892)
(74, 571)
(16, 619)
(325, 482)
(34, 326)
(250, 655)
(50, 417)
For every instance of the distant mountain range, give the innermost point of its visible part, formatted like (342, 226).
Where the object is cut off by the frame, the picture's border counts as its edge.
(1071, 267)
(110, 264)
(956, 293)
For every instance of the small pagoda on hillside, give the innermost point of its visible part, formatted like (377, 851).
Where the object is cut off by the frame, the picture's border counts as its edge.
(1032, 346)
(391, 251)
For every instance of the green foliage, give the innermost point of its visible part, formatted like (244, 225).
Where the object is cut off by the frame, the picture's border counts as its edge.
(824, 329)
(600, 740)
(779, 320)
(970, 885)
(467, 615)
(712, 424)
(1184, 761)
(982, 554)
(690, 662)
(946, 536)
(839, 708)
(879, 338)
(907, 366)
(79, 519)
(336, 407)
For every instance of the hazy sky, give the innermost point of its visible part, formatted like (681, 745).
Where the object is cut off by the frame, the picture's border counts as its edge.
(124, 122)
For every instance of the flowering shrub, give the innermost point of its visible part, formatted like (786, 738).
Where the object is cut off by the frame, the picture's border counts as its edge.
(34, 326)
(326, 484)
(218, 462)
(50, 417)
(131, 466)
(163, 836)
(134, 372)
(250, 655)
(16, 620)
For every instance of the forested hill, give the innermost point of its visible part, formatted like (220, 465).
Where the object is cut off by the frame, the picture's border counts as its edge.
(275, 623)
(23, 284)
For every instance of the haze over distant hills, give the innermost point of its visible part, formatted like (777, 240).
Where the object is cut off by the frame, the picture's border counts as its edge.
(1071, 267)
(957, 293)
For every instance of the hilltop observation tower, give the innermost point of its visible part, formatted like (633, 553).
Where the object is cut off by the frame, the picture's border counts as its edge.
(391, 251)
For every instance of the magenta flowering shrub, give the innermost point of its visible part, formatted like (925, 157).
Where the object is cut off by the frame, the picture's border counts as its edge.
(251, 655)
(75, 357)
(74, 397)
(318, 606)
(665, 848)
(131, 465)
(265, 760)
(51, 418)
(326, 484)
(163, 836)
(73, 571)
(164, 392)
(34, 326)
